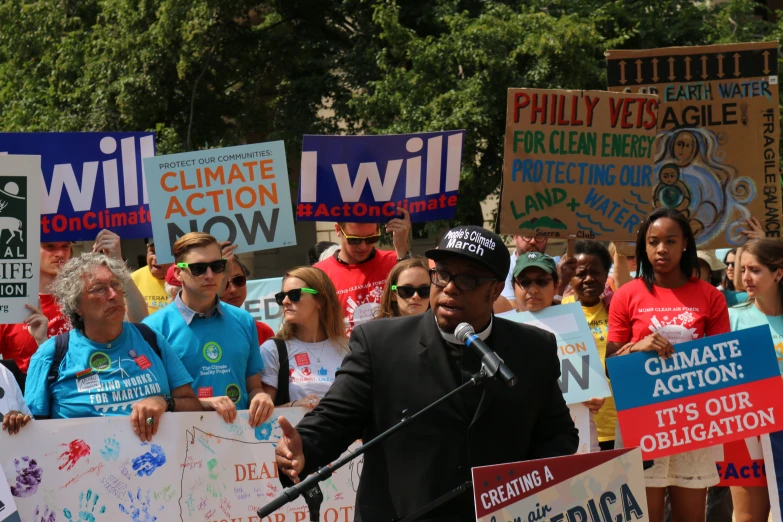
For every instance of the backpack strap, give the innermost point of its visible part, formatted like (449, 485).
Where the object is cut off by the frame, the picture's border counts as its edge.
(60, 349)
(149, 335)
(282, 396)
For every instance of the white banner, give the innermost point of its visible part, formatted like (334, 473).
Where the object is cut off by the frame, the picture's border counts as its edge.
(198, 468)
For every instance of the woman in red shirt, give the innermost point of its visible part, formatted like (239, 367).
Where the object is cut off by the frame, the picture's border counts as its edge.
(667, 304)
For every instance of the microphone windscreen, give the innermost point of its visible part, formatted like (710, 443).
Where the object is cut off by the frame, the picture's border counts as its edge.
(463, 331)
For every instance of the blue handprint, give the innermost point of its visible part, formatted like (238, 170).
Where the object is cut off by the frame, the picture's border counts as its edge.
(147, 463)
(139, 508)
(86, 511)
(112, 449)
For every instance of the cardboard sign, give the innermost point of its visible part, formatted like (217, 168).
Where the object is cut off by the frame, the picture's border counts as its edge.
(772, 446)
(91, 181)
(712, 391)
(260, 301)
(8, 512)
(741, 463)
(599, 487)
(716, 155)
(582, 376)
(365, 178)
(237, 194)
(577, 163)
(20, 257)
(196, 468)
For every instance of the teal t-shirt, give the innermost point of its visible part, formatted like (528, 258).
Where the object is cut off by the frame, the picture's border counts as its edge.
(734, 298)
(102, 379)
(220, 351)
(747, 316)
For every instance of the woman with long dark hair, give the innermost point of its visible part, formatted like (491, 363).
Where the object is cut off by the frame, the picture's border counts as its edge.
(667, 304)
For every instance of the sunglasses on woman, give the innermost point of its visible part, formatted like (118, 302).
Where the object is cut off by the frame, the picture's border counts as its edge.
(238, 281)
(294, 295)
(357, 240)
(540, 282)
(406, 292)
(199, 269)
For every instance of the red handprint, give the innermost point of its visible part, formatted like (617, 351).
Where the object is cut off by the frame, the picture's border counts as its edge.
(76, 450)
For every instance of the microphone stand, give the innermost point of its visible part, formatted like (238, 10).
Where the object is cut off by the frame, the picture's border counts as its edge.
(292, 493)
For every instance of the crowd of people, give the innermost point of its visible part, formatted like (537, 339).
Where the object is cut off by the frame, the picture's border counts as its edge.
(368, 335)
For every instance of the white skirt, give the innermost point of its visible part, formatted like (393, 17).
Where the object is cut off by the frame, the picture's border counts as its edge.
(693, 469)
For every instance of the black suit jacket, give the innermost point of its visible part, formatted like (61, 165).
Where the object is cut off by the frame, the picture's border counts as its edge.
(401, 364)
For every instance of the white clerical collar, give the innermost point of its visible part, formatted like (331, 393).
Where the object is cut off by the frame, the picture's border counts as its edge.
(451, 338)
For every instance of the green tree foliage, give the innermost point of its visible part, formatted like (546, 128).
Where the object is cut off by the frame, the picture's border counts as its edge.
(207, 73)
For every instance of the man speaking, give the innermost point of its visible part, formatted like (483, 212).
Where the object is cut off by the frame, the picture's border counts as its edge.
(398, 366)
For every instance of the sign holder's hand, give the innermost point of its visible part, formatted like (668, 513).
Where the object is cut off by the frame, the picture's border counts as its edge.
(261, 408)
(107, 242)
(400, 230)
(37, 324)
(224, 407)
(14, 420)
(227, 249)
(145, 416)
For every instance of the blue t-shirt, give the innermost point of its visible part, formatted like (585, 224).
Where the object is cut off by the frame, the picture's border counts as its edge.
(733, 298)
(102, 379)
(748, 316)
(220, 351)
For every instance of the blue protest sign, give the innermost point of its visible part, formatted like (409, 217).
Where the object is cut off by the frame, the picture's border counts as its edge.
(364, 178)
(91, 181)
(582, 374)
(237, 194)
(260, 301)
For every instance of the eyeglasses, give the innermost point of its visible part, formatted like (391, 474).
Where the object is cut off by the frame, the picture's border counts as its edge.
(199, 269)
(463, 282)
(531, 239)
(540, 282)
(238, 281)
(357, 240)
(294, 295)
(406, 292)
(102, 288)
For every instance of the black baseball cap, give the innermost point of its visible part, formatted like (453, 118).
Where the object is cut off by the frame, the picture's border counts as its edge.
(477, 244)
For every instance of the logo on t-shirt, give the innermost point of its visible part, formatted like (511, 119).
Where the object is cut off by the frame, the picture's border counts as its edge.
(302, 359)
(233, 392)
(676, 328)
(306, 371)
(204, 391)
(99, 361)
(212, 352)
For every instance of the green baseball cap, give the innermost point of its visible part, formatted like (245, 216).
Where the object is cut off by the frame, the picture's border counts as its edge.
(535, 259)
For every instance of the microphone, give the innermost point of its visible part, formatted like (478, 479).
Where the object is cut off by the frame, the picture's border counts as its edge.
(492, 364)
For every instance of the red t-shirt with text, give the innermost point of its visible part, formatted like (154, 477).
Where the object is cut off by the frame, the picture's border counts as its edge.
(360, 287)
(696, 309)
(17, 344)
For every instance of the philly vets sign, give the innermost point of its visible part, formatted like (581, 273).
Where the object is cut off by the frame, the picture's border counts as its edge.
(365, 178)
(237, 194)
(91, 181)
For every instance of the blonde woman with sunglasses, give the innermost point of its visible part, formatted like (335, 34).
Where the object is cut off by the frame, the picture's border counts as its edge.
(359, 271)
(407, 290)
(300, 362)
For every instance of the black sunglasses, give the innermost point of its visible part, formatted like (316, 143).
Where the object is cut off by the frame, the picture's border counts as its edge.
(294, 295)
(238, 281)
(199, 269)
(406, 292)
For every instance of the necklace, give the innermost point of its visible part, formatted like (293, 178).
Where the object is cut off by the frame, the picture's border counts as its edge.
(323, 346)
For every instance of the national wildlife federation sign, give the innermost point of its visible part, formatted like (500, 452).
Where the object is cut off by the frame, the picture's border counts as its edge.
(20, 179)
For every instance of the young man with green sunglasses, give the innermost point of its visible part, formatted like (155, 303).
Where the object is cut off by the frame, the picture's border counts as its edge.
(217, 343)
(359, 271)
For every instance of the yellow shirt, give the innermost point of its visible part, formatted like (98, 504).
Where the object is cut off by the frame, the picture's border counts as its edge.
(598, 318)
(153, 289)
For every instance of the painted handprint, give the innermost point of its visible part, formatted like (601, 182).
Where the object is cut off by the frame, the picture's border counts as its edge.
(139, 508)
(76, 450)
(112, 449)
(28, 477)
(46, 516)
(147, 463)
(86, 508)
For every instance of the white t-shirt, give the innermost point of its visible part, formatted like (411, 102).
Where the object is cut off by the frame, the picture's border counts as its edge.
(10, 394)
(311, 366)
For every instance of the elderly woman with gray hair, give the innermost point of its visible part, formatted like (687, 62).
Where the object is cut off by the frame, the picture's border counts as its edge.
(105, 366)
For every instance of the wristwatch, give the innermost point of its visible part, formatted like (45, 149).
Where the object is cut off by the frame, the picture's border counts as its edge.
(406, 256)
(170, 404)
